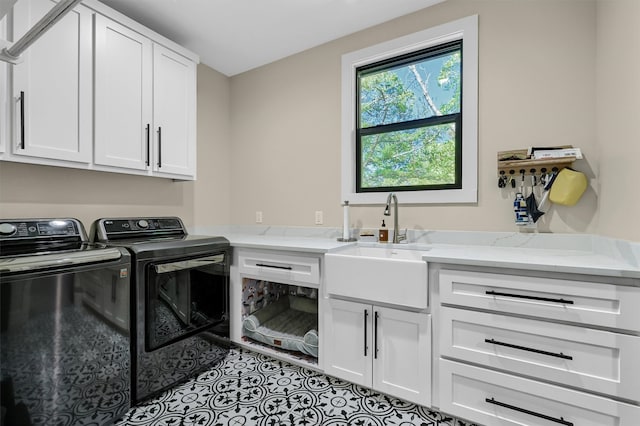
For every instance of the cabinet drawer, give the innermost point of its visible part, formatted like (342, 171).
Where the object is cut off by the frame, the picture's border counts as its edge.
(491, 398)
(595, 360)
(602, 304)
(283, 268)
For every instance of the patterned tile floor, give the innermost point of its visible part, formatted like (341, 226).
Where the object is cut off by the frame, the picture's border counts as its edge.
(254, 389)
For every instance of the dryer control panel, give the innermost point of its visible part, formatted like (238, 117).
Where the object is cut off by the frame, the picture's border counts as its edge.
(110, 229)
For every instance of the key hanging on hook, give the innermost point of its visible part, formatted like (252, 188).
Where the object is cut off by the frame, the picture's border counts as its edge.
(543, 176)
(533, 177)
(502, 180)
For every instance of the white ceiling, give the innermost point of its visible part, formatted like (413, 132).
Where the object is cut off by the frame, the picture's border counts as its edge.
(233, 36)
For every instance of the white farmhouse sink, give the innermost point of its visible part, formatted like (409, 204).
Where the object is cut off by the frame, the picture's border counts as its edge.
(380, 273)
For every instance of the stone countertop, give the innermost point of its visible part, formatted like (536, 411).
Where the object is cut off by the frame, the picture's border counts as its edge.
(569, 253)
(271, 242)
(550, 260)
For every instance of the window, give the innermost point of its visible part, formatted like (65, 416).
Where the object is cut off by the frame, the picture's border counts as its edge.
(409, 110)
(409, 120)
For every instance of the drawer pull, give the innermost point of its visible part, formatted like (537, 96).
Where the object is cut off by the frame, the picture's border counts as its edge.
(521, 296)
(264, 265)
(561, 420)
(524, 348)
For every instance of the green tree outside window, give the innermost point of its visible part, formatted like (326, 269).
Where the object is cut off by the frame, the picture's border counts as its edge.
(410, 122)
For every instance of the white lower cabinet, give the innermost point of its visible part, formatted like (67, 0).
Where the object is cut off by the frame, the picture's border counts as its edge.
(593, 301)
(537, 349)
(383, 348)
(594, 360)
(496, 399)
(274, 304)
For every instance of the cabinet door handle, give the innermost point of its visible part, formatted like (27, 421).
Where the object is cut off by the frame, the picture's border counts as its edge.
(159, 147)
(21, 119)
(148, 130)
(561, 420)
(366, 317)
(264, 265)
(375, 335)
(524, 348)
(522, 296)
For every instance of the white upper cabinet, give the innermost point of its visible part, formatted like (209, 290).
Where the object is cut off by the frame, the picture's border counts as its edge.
(52, 86)
(5, 98)
(123, 88)
(174, 106)
(145, 100)
(99, 91)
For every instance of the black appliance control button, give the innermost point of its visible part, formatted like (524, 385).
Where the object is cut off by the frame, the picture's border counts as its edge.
(142, 224)
(7, 229)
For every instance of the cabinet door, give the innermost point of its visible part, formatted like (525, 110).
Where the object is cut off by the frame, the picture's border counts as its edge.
(123, 102)
(5, 99)
(347, 346)
(52, 86)
(174, 108)
(402, 354)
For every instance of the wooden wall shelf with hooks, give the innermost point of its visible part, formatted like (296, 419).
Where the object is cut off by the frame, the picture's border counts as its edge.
(512, 162)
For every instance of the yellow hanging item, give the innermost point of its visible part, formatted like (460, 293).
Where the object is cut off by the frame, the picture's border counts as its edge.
(568, 187)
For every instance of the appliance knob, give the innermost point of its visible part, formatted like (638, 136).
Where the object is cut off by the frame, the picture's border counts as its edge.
(142, 224)
(7, 229)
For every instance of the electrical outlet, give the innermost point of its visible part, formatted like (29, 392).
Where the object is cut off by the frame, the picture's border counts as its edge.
(258, 217)
(319, 218)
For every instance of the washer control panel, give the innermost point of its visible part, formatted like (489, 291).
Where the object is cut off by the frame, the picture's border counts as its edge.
(14, 229)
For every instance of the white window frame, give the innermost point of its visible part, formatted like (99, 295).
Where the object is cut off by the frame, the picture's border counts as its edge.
(465, 29)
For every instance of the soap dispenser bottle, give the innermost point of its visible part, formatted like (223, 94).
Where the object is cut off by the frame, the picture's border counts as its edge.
(383, 233)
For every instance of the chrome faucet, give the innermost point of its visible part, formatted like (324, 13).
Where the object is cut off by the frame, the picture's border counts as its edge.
(397, 236)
